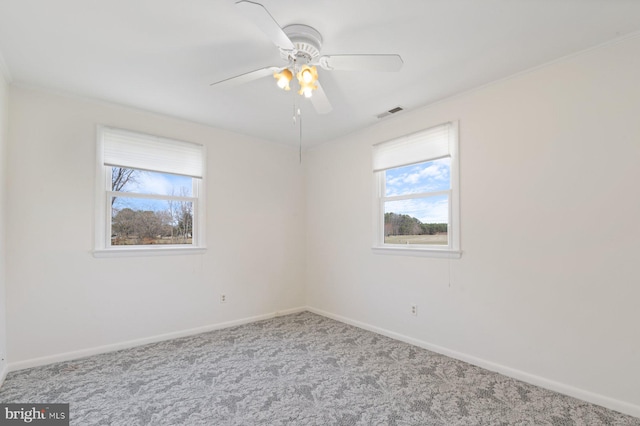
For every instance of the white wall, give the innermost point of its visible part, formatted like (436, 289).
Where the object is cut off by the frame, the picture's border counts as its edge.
(62, 299)
(547, 288)
(4, 115)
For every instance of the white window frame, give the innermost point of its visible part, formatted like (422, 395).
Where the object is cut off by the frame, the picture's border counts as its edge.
(103, 247)
(452, 250)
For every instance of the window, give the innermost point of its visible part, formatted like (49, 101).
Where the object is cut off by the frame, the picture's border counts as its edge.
(149, 196)
(417, 202)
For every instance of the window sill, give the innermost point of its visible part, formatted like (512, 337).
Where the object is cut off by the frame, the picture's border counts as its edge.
(415, 251)
(156, 251)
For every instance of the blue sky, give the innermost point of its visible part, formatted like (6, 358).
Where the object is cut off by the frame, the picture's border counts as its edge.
(154, 183)
(160, 183)
(426, 177)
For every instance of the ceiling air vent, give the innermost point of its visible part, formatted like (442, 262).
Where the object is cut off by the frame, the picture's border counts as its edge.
(391, 111)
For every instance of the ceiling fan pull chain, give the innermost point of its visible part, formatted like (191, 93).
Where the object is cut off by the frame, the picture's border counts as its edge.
(297, 113)
(294, 118)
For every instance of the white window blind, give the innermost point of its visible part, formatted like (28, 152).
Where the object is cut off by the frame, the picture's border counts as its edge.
(145, 152)
(419, 147)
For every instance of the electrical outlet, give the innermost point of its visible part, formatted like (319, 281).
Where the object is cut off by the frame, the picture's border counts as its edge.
(223, 298)
(414, 310)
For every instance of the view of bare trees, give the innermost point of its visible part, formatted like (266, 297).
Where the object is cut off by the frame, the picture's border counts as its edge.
(140, 226)
(405, 229)
(120, 178)
(402, 224)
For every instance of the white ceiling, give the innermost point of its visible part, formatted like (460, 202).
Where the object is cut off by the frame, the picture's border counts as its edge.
(161, 55)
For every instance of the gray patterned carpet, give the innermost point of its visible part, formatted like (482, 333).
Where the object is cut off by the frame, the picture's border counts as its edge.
(300, 369)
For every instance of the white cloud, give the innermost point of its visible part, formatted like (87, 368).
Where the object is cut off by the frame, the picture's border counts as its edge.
(414, 179)
(157, 183)
(433, 172)
(426, 210)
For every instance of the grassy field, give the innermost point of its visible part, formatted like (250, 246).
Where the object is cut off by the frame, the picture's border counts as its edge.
(149, 241)
(416, 239)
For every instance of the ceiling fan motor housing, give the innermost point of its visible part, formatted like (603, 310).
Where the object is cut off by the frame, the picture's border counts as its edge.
(307, 42)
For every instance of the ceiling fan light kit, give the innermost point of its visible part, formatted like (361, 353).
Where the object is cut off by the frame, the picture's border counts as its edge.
(300, 47)
(307, 79)
(283, 78)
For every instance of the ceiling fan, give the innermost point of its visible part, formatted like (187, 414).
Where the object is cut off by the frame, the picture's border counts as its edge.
(300, 46)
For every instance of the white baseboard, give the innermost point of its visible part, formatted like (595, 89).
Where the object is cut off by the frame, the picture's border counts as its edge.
(611, 403)
(594, 398)
(290, 311)
(68, 356)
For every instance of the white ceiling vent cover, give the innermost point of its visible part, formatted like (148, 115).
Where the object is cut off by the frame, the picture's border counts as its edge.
(390, 112)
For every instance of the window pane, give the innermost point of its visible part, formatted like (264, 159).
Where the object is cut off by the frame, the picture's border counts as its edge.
(144, 182)
(136, 221)
(417, 221)
(423, 177)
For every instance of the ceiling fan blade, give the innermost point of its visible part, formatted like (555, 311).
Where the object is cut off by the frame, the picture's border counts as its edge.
(361, 62)
(246, 77)
(263, 19)
(320, 101)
